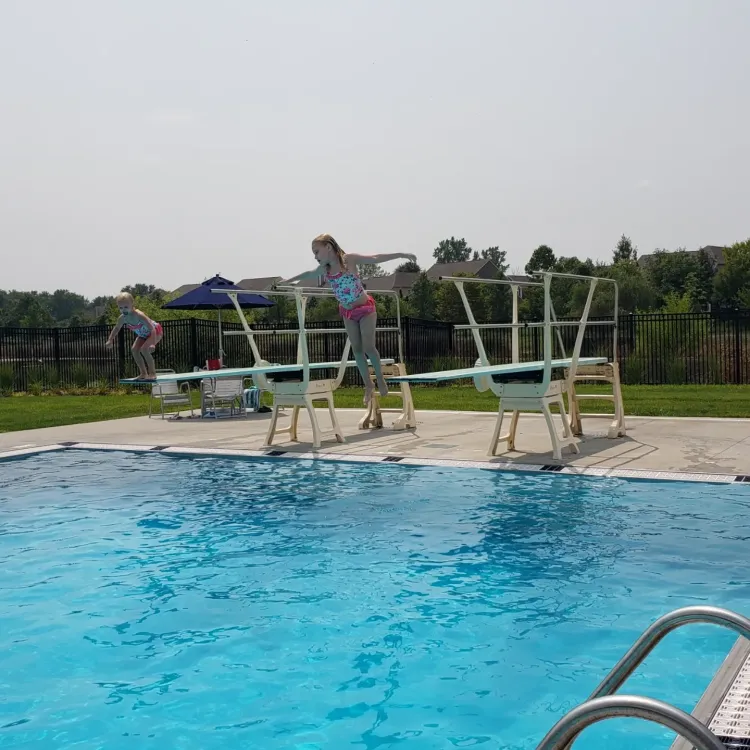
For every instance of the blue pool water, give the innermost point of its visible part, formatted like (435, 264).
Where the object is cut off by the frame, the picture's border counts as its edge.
(154, 602)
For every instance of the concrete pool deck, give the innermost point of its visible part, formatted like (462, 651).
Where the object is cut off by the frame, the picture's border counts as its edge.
(652, 444)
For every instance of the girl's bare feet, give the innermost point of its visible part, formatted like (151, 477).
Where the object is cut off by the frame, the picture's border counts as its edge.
(369, 390)
(382, 388)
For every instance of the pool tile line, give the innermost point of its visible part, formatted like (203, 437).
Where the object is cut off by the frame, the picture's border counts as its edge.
(592, 471)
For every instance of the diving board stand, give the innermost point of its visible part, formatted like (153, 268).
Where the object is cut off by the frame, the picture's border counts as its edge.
(373, 417)
(528, 386)
(294, 388)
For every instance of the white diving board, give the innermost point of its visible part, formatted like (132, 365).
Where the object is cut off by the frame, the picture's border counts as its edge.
(510, 368)
(239, 372)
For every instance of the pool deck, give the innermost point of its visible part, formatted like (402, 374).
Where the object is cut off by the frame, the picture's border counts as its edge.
(717, 447)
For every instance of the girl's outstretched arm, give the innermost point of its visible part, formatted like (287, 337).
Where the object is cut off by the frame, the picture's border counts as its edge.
(379, 258)
(115, 331)
(304, 276)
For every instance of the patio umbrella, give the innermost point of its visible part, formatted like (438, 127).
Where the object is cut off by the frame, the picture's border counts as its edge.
(202, 298)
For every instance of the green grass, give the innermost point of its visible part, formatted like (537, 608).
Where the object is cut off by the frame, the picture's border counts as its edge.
(30, 412)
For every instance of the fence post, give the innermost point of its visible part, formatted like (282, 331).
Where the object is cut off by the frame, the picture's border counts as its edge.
(405, 340)
(56, 349)
(737, 349)
(121, 352)
(194, 342)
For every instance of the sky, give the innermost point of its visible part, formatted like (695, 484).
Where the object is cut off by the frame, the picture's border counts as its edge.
(164, 141)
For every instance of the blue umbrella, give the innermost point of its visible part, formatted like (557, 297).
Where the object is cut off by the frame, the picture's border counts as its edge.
(202, 298)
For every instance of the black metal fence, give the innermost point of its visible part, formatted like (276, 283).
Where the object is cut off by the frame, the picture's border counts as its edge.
(689, 348)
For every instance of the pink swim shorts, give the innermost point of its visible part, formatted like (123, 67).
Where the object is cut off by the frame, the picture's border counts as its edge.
(357, 313)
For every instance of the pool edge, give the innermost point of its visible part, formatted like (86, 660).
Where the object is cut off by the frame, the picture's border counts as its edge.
(280, 453)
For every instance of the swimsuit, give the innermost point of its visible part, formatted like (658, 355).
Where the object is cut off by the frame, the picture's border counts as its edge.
(347, 288)
(141, 330)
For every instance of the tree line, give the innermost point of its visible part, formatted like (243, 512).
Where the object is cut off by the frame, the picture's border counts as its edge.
(677, 281)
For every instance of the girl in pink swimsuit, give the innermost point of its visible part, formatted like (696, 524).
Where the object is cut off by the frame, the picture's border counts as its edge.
(357, 308)
(148, 334)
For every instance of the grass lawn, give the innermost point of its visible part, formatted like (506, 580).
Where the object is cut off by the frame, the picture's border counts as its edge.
(29, 412)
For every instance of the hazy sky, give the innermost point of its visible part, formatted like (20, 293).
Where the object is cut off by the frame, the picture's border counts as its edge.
(164, 141)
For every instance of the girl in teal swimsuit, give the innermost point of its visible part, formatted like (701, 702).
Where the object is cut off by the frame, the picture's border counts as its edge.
(357, 308)
(148, 334)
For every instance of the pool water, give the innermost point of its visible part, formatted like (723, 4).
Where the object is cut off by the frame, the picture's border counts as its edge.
(160, 602)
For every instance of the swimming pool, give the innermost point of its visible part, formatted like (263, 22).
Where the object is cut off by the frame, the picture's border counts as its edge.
(161, 602)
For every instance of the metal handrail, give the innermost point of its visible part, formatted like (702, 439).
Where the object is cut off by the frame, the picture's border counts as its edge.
(658, 630)
(564, 733)
(653, 635)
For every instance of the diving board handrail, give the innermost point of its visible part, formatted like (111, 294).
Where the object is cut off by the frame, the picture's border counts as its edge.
(474, 327)
(584, 318)
(317, 291)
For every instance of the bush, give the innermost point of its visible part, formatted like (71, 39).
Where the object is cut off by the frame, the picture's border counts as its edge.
(7, 379)
(80, 375)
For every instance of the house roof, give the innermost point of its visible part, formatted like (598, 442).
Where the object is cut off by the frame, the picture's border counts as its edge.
(260, 284)
(520, 278)
(392, 282)
(184, 289)
(714, 252)
(466, 267)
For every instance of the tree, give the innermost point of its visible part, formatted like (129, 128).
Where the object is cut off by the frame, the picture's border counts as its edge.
(542, 259)
(669, 272)
(450, 307)
(371, 271)
(64, 304)
(452, 251)
(29, 312)
(421, 301)
(624, 250)
(732, 283)
(410, 266)
(143, 290)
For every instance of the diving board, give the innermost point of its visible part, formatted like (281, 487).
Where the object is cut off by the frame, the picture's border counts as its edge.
(240, 372)
(510, 368)
(537, 391)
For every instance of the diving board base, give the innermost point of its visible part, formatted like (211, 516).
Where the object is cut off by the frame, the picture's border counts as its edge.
(290, 396)
(373, 417)
(518, 403)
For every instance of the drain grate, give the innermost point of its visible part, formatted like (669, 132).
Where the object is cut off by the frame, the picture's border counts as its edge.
(276, 453)
(742, 478)
(159, 448)
(393, 459)
(735, 743)
(69, 443)
(551, 467)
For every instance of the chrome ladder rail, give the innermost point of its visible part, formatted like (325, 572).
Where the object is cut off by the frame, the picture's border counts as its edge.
(565, 732)
(594, 709)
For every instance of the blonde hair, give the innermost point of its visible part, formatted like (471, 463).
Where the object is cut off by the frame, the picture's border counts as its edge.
(124, 297)
(340, 254)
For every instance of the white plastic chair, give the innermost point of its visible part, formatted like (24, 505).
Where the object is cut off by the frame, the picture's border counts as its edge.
(222, 391)
(170, 393)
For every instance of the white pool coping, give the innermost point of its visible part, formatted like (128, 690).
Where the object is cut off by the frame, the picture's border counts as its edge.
(508, 466)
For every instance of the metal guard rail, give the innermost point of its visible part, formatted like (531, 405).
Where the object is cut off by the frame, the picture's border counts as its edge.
(564, 733)
(602, 703)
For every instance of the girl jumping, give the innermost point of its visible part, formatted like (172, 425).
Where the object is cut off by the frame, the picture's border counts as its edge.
(147, 332)
(357, 308)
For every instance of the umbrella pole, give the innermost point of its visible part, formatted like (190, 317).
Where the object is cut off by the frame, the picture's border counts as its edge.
(221, 348)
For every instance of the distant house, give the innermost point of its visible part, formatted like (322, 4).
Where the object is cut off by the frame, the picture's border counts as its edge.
(715, 254)
(482, 269)
(262, 284)
(520, 278)
(401, 282)
(184, 289)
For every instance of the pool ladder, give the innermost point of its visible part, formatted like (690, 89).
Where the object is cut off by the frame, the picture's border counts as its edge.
(604, 703)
